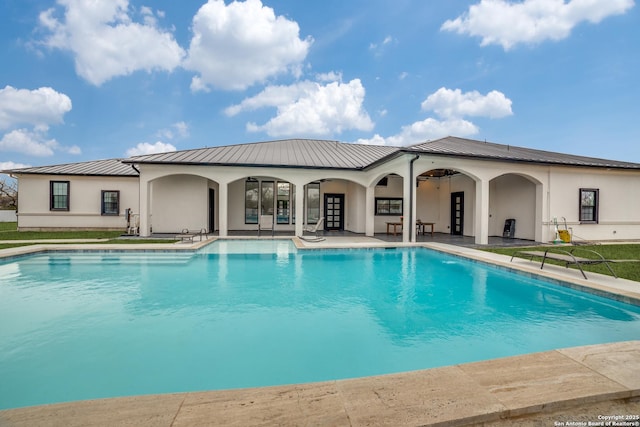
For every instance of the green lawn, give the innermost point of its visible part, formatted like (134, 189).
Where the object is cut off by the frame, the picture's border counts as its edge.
(8, 226)
(8, 231)
(627, 270)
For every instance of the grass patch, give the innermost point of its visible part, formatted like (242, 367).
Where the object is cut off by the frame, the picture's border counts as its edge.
(9, 231)
(41, 235)
(627, 270)
(8, 226)
(106, 242)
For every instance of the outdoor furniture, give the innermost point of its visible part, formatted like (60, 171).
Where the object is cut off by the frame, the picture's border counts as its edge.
(568, 257)
(314, 229)
(395, 225)
(421, 227)
(187, 235)
(266, 223)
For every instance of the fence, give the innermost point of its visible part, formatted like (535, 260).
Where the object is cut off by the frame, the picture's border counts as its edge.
(8, 216)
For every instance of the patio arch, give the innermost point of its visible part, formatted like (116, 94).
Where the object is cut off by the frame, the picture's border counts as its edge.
(436, 186)
(256, 194)
(341, 200)
(517, 196)
(176, 201)
(481, 183)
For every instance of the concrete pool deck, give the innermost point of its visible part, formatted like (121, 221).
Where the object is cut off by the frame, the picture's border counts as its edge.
(581, 384)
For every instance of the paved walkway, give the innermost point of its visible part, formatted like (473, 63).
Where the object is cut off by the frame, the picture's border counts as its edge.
(580, 384)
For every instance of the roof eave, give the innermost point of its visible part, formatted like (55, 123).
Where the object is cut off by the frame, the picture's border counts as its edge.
(71, 174)
(512, 160)
(244, 165)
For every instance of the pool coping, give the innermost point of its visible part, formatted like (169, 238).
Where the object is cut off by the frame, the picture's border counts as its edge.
(478, 392)
(518, 387)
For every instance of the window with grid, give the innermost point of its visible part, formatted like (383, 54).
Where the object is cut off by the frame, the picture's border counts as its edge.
(284, 199)
(388, 206)
(59, 195)
(251, 193)
(110, 202)
(589, 205)
(313, 202)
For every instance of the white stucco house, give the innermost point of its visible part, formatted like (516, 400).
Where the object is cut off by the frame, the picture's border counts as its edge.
(462, 186)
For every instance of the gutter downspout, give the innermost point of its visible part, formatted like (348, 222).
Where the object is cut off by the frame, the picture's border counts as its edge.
(139, 204)
(412, 228)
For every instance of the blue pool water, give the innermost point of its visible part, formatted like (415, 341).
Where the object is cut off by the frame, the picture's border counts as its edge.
(243, 314)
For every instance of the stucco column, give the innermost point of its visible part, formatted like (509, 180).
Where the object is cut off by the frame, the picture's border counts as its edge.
(414, 211)
(223, 209)
(541, 205)
(299, 209)
(406, 207)
(482, 212)
(369, 214)
(145, 207)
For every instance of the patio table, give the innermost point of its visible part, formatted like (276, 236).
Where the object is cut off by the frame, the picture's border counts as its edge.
(395, 225)
(422, 227)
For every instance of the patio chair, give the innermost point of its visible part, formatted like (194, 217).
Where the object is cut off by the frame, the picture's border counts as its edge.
(568, 258)
(266, 223)
(314, 229)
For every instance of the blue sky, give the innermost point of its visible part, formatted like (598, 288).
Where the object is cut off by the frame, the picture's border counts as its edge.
(93, 79)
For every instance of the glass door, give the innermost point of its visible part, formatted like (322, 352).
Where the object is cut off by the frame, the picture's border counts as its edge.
(334, 211)
(457, 213)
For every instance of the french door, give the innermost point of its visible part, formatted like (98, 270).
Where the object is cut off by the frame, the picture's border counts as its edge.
(334, 211)
(457, 213)
(212, 210)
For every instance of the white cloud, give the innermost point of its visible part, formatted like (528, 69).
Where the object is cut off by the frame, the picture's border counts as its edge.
(74, 149)
(450, 103)
(33, 143)
(182, 128)
(374, 140)
(177, 130)
(12, 165)
(451, 106)
(309, 108)
(237, 45)
(106, 43)
(40, 107)
(379, 48)
(331, 76)
(509, 23)
(146, 148)
(273, 96)
(424, 130)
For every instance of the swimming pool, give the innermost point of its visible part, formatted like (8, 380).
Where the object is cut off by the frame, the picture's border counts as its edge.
(242, 314)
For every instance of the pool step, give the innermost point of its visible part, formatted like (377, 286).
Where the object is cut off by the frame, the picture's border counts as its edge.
(112, 258)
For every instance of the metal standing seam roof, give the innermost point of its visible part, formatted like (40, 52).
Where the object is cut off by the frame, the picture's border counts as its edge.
(298, 153)
(453, 146)
(319, 154)
(108, 167)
